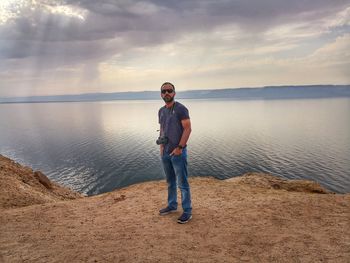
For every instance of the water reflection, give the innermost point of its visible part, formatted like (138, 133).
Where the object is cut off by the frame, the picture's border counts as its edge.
(96, 147)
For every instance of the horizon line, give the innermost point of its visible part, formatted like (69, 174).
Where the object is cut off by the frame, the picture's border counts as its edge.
(212, 89)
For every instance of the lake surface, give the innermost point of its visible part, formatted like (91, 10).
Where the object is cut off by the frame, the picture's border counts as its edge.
(95, 147)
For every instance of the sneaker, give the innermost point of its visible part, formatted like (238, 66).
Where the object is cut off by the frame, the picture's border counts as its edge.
(184, 218)
(167, 210)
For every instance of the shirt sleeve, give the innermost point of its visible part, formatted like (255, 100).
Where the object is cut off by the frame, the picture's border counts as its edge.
(183, 113)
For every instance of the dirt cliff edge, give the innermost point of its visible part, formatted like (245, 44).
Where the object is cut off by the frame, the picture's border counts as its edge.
(21, 186)
(251, 218)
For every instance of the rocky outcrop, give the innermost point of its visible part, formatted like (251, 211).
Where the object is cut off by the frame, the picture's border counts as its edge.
(21, 186)
(43, 179)
(261, 180)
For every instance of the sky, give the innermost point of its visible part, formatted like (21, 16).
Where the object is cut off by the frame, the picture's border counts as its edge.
(53, 47)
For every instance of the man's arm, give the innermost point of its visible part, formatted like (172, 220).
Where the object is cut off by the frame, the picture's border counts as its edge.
(161, 145)
(186, 124)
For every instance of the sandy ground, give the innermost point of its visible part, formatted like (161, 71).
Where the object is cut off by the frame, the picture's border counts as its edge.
(254, 218)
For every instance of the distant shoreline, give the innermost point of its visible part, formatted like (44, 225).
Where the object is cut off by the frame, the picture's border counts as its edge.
(263, 93)
(226, 99)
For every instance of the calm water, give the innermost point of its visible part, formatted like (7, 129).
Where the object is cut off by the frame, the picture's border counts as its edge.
(95, 147)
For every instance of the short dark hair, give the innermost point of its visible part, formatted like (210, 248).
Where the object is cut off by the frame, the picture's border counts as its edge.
(167, 83)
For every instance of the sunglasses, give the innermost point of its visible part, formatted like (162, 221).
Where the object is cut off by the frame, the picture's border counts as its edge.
(167, 90)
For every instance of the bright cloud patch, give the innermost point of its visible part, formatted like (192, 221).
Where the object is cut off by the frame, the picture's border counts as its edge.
(10, 9)
(68, 11)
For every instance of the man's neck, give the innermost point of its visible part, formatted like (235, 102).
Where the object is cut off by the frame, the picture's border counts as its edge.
(169, 104)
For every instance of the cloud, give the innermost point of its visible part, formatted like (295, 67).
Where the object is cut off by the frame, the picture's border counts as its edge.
(335, 53)
(341, 19)
(45, 38)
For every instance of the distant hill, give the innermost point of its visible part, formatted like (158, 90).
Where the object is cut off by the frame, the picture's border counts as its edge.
(268, 92)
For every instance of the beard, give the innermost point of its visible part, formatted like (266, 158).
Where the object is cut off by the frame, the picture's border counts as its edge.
(168, 99)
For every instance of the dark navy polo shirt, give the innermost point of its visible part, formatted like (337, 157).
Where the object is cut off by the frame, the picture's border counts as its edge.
(170, 122)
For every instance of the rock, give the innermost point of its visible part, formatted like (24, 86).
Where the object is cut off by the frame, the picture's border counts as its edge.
(43, 179)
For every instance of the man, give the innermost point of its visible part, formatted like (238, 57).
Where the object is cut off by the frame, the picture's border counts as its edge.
(175, 129)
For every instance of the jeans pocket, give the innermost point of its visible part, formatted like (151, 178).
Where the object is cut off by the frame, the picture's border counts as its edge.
(177, 159)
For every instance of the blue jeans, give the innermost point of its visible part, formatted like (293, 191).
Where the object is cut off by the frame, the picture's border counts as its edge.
(175, 168)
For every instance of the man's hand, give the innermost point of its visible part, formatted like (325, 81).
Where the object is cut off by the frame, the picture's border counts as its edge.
(176, 151)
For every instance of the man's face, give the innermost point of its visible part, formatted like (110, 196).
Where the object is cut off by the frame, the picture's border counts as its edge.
(167, 93)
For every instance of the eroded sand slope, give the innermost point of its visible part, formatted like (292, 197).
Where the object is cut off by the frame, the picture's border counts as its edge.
(253, 218)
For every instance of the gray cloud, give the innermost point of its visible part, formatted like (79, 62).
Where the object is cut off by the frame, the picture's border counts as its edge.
(136, 23)
(56, 39)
